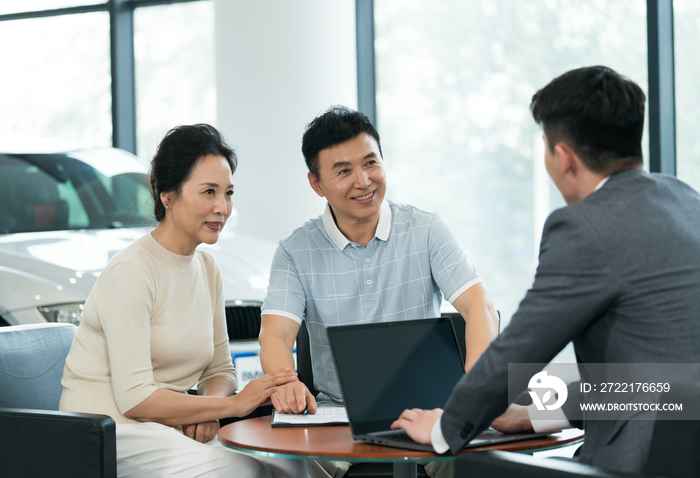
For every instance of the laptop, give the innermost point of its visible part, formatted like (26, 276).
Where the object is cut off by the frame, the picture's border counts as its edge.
(385, 368)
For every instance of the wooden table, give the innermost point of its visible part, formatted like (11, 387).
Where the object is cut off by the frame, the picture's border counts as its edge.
(256, 436)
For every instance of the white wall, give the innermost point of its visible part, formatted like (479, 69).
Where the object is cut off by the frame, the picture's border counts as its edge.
(279, 64)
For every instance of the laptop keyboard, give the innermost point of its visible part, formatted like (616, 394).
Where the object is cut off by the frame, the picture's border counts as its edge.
(397, 435)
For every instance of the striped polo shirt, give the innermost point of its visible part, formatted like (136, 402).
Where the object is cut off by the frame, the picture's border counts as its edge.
(318, 275)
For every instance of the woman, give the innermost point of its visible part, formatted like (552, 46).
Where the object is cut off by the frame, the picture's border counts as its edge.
(154, 326)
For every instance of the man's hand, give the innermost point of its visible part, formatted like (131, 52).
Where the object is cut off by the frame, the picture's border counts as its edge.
(201, 432)
(514, 420)
(418, 423)
(293, 397)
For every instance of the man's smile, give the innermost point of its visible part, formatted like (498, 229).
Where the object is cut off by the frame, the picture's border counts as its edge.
(366, 197)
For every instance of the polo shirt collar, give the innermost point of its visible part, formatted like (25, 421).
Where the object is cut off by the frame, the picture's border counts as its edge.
(382, 232)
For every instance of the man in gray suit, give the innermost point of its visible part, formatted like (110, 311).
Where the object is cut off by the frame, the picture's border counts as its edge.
(618, 274)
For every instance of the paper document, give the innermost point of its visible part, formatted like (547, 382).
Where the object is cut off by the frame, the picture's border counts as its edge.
(323, 416)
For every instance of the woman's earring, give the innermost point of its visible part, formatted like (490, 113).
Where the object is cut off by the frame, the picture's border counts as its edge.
(165, 206)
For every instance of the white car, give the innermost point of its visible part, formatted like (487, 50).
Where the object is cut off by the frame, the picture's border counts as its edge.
(64, 214)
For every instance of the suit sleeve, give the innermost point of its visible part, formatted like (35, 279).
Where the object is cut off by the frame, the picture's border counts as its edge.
(573, 286)
(570, 408)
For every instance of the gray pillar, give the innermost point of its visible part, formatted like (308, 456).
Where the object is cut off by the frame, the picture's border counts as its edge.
(123, 96)
(662, 113)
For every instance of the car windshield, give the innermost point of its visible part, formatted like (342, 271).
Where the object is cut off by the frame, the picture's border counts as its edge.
(53, 192)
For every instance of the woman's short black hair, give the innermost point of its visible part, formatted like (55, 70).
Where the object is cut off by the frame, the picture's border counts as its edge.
(177, 155)
(337, 125)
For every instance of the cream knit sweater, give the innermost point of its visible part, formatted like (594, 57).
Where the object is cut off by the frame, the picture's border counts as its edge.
(154, 319)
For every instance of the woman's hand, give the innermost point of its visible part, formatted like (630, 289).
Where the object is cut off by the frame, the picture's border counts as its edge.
(201, 432)
(258, 391)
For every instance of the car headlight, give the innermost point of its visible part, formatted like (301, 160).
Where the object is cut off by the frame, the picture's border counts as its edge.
(69, 313)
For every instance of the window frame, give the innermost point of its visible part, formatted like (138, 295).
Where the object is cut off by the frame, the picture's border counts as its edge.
(661, 100)
(122, 71)
(662, 128)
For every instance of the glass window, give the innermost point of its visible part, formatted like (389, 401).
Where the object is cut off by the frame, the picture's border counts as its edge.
(454, 84)
(686, 23)
(55, 78)
(14, 6)
(175, 82)
(85, 189)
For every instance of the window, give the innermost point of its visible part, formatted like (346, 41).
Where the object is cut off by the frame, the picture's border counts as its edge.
(687, 41)
(56, 78)
(174, 54)
(14, 6)
(454, 83)
(57, 70)
(86, 189)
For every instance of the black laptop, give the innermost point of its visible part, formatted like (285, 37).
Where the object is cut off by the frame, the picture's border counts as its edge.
(385, 368)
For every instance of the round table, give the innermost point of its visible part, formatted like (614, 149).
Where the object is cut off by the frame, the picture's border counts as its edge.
(256, 436)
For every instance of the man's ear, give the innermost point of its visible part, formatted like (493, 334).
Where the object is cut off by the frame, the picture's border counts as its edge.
(315, 185)
(568, 159)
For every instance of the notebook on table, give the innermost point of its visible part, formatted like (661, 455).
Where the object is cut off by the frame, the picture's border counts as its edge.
(388, 367)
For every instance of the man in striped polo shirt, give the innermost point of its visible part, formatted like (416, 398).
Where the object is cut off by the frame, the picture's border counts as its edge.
(365, 259)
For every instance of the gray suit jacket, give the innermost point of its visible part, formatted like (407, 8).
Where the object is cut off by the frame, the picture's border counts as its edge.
(619, 275)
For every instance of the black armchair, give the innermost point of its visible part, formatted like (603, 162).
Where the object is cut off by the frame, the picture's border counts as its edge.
(36, 439)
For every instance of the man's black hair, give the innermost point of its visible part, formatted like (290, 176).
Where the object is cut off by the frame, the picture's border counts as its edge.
(337, 125)
(598, 113)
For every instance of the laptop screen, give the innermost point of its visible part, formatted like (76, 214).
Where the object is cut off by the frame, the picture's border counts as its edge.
(385, 368)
